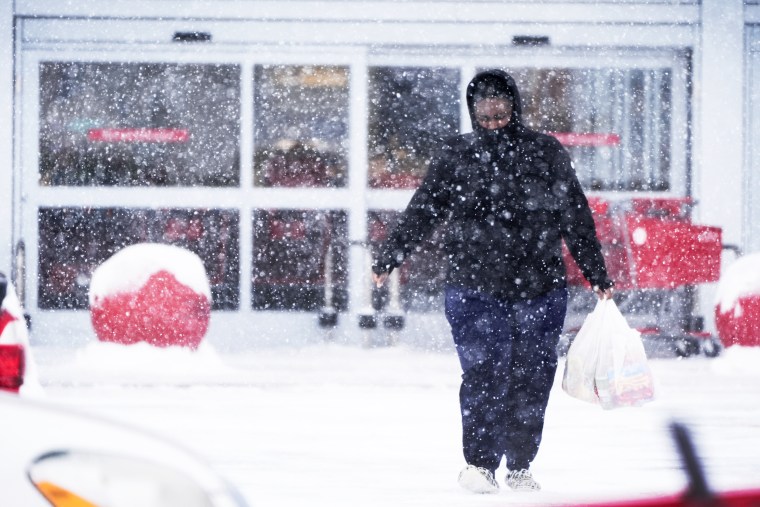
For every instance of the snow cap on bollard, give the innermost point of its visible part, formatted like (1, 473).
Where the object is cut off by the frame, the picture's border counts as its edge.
(737, 308)
(153, 293)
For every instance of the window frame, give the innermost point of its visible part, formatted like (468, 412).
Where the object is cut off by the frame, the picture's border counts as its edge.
(355, 199)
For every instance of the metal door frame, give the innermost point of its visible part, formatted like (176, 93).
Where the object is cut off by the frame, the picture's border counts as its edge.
(237, 328)
(227, 326)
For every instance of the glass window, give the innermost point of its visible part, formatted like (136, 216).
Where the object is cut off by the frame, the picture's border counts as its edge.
(131, 124)
(300, 126)
(422, 275)
(411, 109)
(752, 165)
(73, 242)
(299, 259)
(616, 123)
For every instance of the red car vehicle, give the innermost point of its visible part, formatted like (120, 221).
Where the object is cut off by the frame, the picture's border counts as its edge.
(698, 493)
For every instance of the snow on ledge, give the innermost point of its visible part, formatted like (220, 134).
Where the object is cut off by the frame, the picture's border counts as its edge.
(742, 278)
(129, 269)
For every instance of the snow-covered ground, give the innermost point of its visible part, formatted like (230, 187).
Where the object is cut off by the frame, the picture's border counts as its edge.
(335, 425)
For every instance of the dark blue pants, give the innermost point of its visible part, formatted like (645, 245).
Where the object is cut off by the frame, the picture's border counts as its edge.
(509, 358)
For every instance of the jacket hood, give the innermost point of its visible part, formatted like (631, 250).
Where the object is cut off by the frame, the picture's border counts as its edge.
(503, 82)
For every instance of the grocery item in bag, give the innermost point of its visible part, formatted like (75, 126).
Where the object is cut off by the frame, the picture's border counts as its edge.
(606, 363)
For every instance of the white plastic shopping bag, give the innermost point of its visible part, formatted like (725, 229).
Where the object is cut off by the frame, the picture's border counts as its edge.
(606, 363)
(579, 380)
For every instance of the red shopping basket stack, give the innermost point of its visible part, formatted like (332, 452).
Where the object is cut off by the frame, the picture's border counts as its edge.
(656, 256)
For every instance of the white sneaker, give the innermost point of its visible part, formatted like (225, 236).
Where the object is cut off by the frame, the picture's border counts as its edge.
(522, 480)
(478, 480)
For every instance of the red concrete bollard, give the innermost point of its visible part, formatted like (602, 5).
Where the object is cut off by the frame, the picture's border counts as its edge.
(158, 294)
(737, 312)
(740, 325)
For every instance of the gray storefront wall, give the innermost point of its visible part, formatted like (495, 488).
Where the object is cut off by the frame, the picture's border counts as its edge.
(354, 47)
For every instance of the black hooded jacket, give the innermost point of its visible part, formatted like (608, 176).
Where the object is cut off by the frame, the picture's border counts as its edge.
(506, 199)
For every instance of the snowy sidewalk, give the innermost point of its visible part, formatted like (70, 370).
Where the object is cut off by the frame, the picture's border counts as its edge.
(337, 426)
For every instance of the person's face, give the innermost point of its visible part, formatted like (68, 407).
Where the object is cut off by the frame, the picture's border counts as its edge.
(493, 113)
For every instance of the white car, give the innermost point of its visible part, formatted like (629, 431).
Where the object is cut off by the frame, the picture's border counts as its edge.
(50, 455)
(53, 456)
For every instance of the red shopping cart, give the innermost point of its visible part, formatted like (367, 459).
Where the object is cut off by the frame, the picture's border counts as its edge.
(657, 257)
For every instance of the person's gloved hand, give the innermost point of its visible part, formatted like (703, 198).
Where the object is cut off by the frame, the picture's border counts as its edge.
(603, 293)
(602, 287)
(380, 271)
(379, 279)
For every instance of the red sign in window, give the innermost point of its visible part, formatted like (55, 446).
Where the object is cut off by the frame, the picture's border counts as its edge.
(138, 135)
(586, 139)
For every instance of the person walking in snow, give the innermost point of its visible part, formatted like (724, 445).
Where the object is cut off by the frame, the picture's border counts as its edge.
(506, 196)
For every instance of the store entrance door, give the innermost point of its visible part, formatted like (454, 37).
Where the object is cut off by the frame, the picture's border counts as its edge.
(244, 161)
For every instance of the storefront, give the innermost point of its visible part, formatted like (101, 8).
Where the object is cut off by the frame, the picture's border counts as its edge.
(279, 147)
